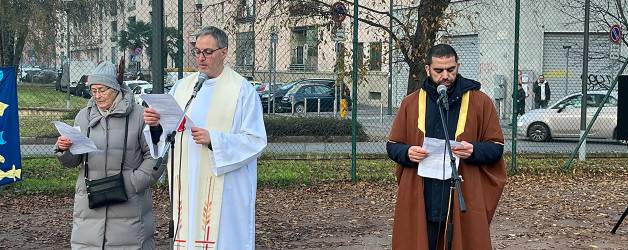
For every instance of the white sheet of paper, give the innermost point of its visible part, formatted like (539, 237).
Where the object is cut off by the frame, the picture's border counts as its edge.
(80, 143)
(432, 165)
(169, 111)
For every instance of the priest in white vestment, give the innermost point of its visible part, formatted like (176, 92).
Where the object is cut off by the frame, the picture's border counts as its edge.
(215, 166)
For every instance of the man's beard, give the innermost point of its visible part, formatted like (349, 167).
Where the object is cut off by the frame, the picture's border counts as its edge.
(434, 83)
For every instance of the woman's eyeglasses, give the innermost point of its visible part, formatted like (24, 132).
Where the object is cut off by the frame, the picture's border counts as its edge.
(99, 90)
(206, 52)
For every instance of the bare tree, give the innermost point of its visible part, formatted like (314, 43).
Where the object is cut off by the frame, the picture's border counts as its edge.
(35, 24)
(416, 28)
(604, 14)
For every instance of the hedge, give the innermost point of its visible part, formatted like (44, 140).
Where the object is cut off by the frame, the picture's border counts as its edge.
(282, 126)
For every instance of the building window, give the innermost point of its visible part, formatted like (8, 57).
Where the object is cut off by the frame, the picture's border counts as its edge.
(304, 44)
(244, 11)
(114, 31)
(245, 45)
(360, 55)
(375, 56)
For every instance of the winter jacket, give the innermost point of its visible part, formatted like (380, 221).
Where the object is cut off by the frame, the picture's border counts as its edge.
(128, 225)
(536, 88)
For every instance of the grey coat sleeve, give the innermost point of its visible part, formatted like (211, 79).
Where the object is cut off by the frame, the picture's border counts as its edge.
(144, 176)
(66, 158)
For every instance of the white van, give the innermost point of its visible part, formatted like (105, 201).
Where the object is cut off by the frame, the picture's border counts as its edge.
(77, 69)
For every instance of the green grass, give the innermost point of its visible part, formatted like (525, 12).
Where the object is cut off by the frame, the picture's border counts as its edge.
(40, 127)
(280, 173)
(43, 176)
(46, 176)
(46, 97)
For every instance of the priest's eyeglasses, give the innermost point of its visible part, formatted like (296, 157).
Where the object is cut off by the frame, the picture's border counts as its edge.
(205, 52)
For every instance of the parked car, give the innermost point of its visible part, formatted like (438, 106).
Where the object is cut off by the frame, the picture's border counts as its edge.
(306, 98)
(46, 76)
(77, 72)
(277, 93)
(170, 78)
(27, 73)
(275, 96)
(562, 119)
(140, 90)
(134, 83)
(81, 88)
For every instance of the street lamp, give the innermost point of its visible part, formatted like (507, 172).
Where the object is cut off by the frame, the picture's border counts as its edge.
(67, 48)
(567, 47)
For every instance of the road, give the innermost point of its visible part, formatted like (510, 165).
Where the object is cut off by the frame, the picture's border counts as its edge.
(377, 125)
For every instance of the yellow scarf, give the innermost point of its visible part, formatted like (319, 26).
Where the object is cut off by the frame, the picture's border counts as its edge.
(462, 117)
(210, 187)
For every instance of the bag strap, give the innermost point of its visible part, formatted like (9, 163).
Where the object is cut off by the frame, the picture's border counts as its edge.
(126, 133)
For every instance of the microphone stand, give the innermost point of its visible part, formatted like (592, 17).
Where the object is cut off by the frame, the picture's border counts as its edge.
(455, 177)
(169, 142)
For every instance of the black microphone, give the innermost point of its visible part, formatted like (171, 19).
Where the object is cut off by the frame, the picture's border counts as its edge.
(442, 92)
(202, 77)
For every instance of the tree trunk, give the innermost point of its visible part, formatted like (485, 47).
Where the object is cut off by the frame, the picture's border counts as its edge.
(416, 76)
(19, 47)
(430, 18)
(8, 47)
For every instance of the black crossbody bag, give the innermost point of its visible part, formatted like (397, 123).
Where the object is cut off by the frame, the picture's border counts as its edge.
(108, 190)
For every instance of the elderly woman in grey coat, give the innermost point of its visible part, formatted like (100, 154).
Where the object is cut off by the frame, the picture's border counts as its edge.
(127, 225)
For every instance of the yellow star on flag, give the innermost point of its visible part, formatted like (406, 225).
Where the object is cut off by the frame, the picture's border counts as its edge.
(3, 106)
(12, 173)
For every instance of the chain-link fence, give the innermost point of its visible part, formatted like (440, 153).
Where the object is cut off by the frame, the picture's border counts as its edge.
(298, 55)
(550, 63)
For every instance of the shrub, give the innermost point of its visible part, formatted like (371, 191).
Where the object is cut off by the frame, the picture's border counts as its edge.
(325, 127)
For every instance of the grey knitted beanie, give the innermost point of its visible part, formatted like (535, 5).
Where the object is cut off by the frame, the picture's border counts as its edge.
(105, 74)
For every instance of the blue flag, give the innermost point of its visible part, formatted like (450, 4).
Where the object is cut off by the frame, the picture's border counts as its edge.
(10, 157)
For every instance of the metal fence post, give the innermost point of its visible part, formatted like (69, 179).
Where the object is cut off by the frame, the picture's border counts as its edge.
(67, 19)
(354, 107)
(319, 106)
(381, 113)
(585, 71)
(274, 38)
(513, 167)
(157, 64)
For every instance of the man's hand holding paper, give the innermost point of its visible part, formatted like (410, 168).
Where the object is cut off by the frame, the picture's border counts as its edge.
(164, 109)
(463, 150)
(437, 163)
(417, 153)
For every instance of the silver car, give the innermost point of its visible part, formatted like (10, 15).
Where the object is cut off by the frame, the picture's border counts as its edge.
(562, 119)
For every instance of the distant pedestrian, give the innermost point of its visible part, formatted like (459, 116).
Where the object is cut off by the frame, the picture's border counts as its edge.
(541, 91)
(521, 99)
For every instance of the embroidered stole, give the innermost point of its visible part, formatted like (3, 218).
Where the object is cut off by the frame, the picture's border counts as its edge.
(462, 117)
(209, 189)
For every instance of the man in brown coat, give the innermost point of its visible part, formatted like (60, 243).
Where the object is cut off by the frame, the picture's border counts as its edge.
(423, 211)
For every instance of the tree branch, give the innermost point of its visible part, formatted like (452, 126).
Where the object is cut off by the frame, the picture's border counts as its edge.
(397, 21)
